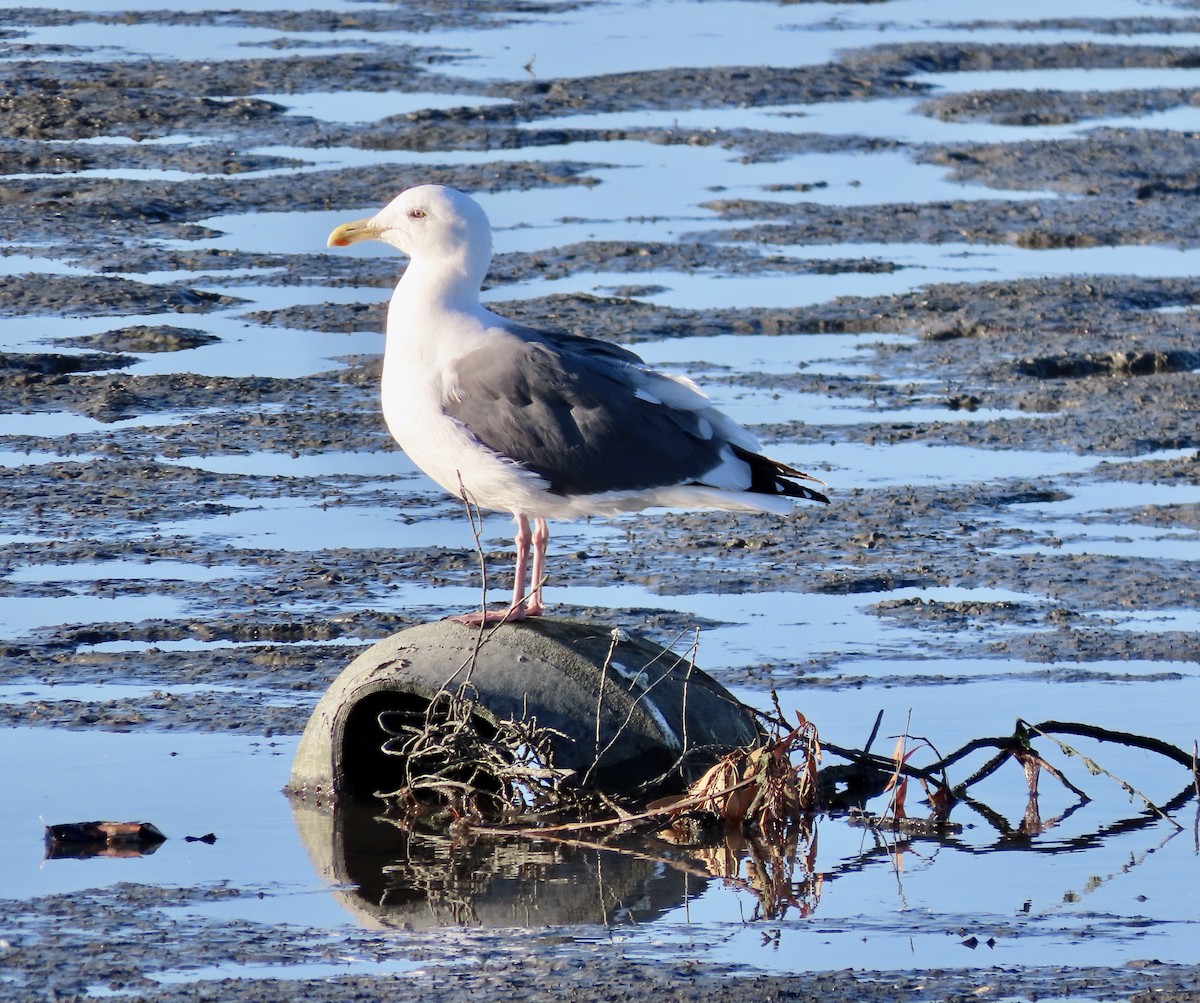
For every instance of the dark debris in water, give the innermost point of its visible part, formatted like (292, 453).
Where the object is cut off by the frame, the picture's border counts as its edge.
(102, 839)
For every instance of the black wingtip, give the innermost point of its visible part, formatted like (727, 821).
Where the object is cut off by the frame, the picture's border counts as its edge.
(794, 490)
(770, 477)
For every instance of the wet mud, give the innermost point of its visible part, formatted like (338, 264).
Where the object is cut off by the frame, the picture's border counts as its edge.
(543, 965)
(1100, 366)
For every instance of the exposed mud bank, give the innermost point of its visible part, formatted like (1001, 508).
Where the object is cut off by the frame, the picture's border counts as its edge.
(154, 956)
(1104, 365)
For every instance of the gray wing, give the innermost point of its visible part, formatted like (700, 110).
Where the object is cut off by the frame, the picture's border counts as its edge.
(568, 409)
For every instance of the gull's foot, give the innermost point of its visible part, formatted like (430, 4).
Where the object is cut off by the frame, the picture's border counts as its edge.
(486, 618)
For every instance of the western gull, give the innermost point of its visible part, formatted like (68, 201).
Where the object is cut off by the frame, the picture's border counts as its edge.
(541, 424)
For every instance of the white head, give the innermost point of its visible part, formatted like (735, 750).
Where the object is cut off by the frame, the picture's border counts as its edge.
(442, 230)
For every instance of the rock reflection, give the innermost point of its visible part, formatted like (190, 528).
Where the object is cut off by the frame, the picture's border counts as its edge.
(393, 873)
(388, 873)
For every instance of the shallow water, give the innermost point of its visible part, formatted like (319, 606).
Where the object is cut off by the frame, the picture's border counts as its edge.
(1103, 886)
(912, 905)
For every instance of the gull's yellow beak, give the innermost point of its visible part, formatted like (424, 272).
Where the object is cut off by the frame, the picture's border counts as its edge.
(352, 233)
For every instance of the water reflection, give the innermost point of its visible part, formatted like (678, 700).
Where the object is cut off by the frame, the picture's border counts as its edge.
(389, 872)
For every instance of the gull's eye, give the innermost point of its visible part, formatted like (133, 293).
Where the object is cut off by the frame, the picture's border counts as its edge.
(416, 213)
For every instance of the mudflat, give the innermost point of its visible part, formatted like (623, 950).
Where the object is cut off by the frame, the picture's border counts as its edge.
(112, 173)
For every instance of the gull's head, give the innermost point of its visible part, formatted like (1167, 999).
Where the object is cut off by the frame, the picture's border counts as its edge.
(428, 223)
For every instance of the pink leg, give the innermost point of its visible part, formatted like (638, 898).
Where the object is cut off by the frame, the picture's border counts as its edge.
(541, 537)
(522, 541)
(521, 607)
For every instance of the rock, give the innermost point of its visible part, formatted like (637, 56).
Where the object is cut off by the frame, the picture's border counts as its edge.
(662, 721)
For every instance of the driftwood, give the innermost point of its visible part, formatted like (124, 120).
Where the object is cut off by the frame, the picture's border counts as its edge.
(102, 839)
(765, 789)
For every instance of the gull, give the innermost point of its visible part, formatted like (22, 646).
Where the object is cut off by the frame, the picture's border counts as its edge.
(545, 425)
